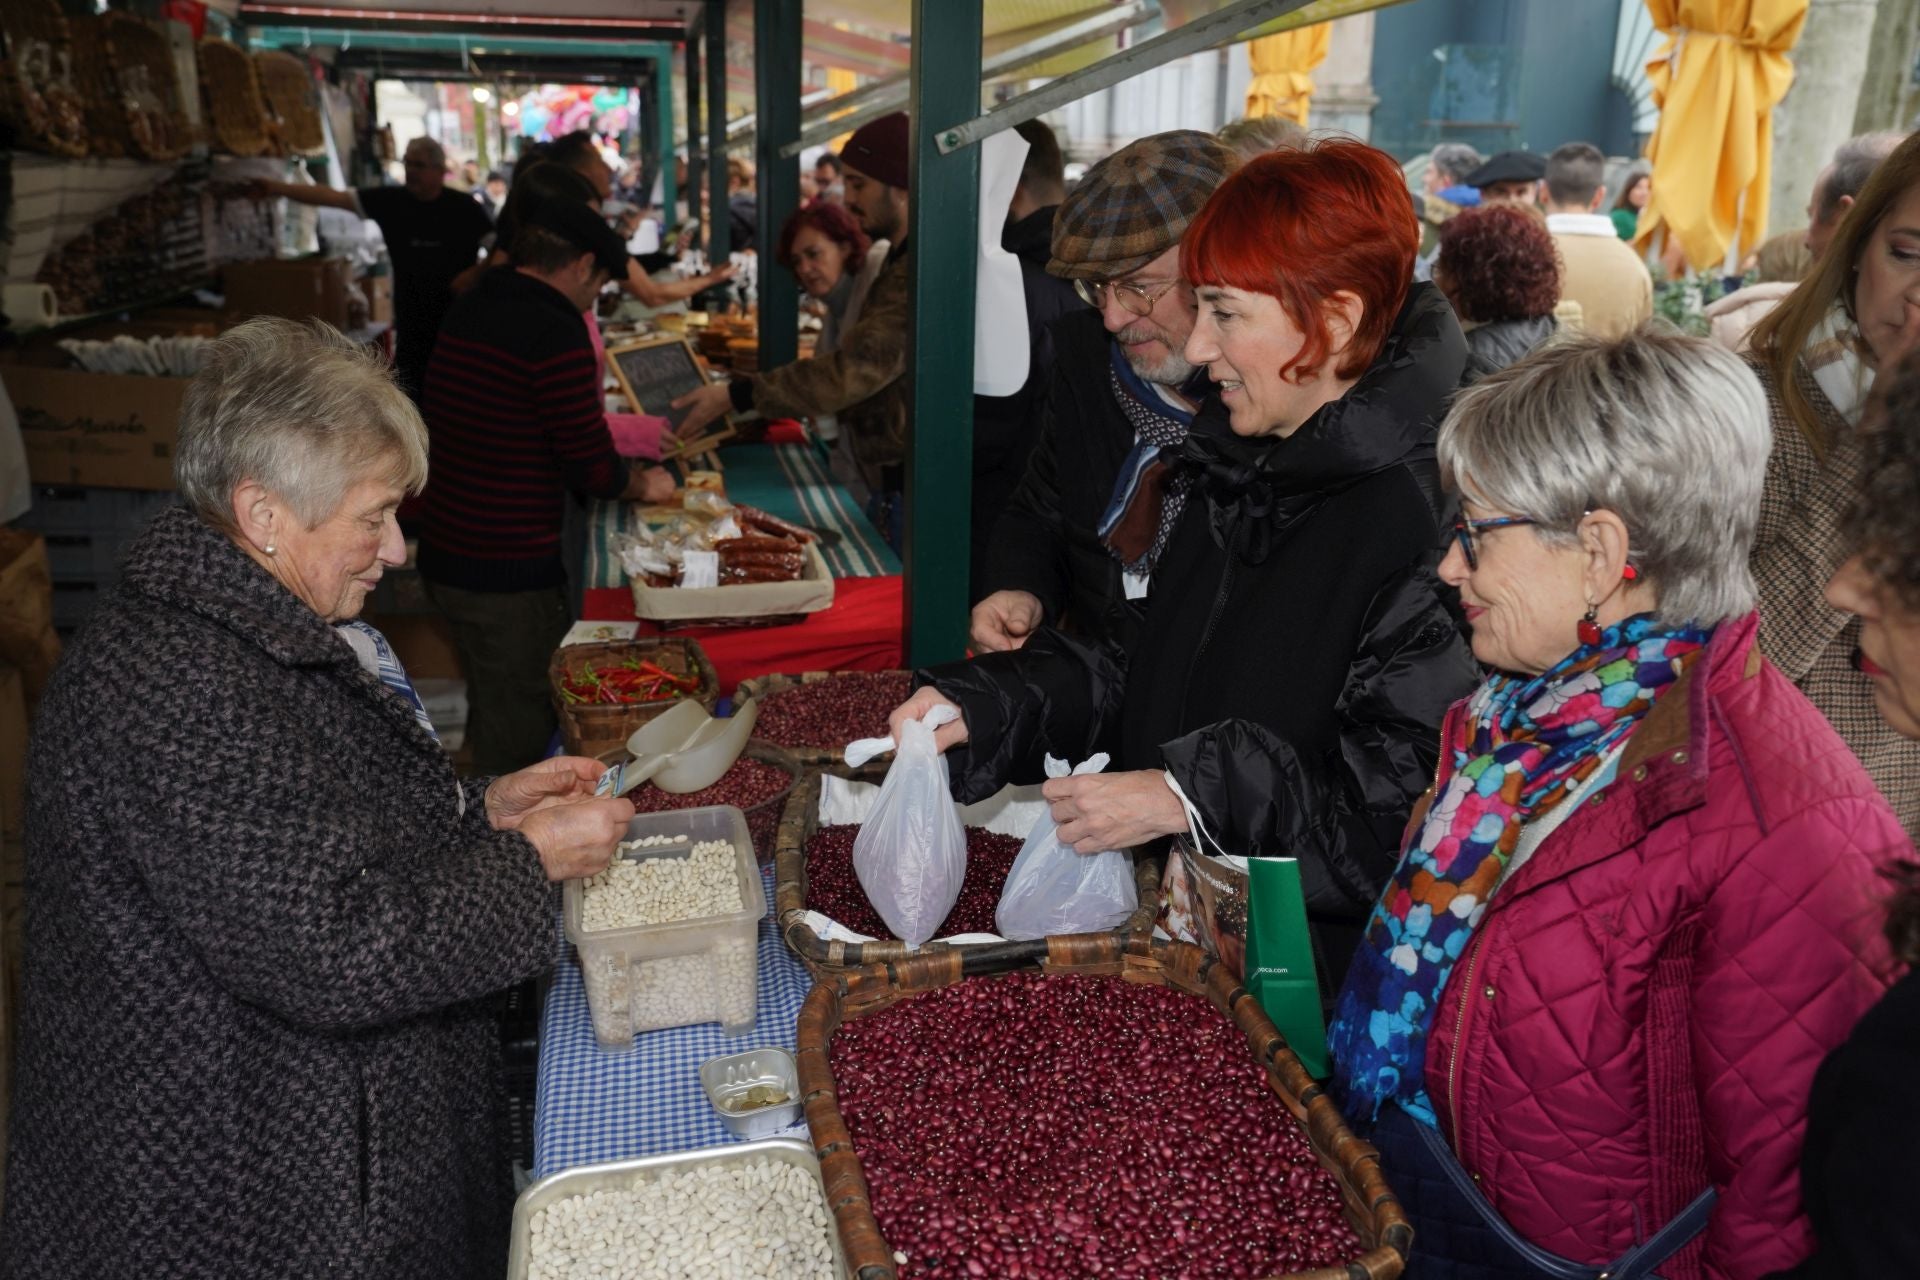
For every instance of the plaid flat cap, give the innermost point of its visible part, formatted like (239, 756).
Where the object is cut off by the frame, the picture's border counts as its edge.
(1136, 204)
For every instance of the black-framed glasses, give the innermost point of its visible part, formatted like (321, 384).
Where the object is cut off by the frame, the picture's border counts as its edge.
(1131, 297)
(1465, 529)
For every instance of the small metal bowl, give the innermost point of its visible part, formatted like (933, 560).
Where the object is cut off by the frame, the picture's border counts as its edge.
(728, 1078)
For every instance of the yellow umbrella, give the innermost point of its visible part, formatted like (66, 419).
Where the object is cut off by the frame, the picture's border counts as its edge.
(1716, 79)
(1283, 71)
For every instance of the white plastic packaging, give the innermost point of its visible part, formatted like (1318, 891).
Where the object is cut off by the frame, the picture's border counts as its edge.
(1051, 889)
(911, 853)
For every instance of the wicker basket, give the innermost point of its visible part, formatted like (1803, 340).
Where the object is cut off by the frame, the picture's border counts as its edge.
(763, 820)
(236, 113)
(289, 93)
(149, 87)
(37, 88)
(591, 729)
(765, 686)
(1372, 1209)
(829, 958)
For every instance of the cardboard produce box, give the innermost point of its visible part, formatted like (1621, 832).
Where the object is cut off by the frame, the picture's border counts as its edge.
(108, 429)
(379, 291)
(301, 289)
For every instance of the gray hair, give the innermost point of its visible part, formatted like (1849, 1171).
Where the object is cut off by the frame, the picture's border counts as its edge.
(1853, 163)
(300, 410)
(1667, 432)
(1253, 136)
(433, 151)
(1456, 160)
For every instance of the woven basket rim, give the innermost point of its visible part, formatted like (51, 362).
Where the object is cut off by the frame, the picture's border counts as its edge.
(1373, 1210)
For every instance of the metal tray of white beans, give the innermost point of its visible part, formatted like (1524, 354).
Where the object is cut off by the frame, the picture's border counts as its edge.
(621, 1174)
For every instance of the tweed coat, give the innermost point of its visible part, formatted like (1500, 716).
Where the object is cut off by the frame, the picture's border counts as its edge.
(266, 929)
(1796, 549)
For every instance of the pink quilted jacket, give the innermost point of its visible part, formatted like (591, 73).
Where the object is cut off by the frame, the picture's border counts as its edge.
(1643, 1007)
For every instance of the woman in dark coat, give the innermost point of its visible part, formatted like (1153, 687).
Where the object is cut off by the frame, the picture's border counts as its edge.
(1863, 1116)
(1295, 657)
(264, 919)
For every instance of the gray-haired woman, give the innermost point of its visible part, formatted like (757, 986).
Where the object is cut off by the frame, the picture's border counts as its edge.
(1639, 901)
(263, 917)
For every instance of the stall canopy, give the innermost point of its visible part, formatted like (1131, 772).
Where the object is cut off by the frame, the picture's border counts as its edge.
(1717, 79)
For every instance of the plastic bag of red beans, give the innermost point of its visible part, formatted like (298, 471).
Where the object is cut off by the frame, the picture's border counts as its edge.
(1055, 1128)
(834, 891)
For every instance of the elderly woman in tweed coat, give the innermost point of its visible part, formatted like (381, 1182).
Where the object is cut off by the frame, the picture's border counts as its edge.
(1817, 354)
(264, 919)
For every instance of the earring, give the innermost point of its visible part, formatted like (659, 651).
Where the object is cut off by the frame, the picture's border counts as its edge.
(269, 548)
(1628, 572)
(1589, 627)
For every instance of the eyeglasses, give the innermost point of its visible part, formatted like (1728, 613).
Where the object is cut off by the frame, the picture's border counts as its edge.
(1464, 530)
(1131, 297)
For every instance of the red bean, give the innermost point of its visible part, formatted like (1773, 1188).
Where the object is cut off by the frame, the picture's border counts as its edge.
(752, 786)
(1077, 1126)
(830, 713)
(834, 891)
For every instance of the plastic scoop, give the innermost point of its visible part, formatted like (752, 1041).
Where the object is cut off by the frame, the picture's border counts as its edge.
(711, 751)
(653, 744)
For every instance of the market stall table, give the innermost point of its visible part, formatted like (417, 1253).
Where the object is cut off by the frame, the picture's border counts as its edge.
(860, 631)
(594, 1104)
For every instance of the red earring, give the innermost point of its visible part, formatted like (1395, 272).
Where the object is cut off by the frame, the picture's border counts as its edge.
(1628, 572)
(1589, 628)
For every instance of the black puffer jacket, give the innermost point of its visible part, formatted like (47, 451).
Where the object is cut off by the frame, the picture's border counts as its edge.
(1296, 657)
(265, 926)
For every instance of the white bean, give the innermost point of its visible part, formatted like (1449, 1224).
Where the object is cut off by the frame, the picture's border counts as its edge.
(764, 1219)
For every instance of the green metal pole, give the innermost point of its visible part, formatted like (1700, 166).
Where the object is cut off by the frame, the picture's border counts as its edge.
(663, 134)
(776, 74)
(944, 194)
(719, 231)
(694, 150)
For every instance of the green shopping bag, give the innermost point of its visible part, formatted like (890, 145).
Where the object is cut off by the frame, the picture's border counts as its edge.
(1280, 972)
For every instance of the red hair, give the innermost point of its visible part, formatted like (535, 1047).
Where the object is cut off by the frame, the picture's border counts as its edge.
(831, 221)
(1499, 263)
(1302, 225)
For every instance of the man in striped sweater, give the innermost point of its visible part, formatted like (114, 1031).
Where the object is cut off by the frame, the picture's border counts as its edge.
(516, 421)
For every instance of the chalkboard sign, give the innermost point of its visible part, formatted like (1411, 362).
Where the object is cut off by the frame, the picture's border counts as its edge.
(656, 372)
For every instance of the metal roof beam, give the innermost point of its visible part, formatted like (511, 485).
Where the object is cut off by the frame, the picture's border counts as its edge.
(1216, 28)
(870, 102)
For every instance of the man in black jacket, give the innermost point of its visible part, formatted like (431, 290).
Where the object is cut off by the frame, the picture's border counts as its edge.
(1118, 389)
(1003, 426)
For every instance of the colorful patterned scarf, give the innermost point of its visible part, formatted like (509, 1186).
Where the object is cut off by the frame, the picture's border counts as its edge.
(1530, 744)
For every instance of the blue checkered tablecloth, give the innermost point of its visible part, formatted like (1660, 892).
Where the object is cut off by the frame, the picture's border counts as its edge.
(593, 1104)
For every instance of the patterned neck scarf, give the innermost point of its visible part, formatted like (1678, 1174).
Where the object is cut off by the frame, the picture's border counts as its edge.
(1834, 356)
(1530, 743)
(1147, 497)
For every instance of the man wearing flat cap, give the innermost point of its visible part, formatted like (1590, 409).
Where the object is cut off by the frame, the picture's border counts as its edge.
(516, 421)
(1120, 389)
(861, 381)
(1512, 177)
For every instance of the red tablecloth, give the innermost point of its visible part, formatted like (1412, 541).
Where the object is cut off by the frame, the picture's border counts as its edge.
(860, 631)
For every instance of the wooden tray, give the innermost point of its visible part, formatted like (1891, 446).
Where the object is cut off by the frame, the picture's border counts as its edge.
(828, 958)
(1372, 1209)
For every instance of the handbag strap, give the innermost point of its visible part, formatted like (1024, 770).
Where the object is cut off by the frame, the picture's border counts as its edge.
(1636, 1263)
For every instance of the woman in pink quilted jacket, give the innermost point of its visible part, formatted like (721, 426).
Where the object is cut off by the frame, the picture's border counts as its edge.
(1642, 898)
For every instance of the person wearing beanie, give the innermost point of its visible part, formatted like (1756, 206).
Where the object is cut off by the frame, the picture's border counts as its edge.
(861, 381)
(1118, 391)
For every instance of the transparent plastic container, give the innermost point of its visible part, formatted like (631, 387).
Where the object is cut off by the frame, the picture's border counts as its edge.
(702, 969)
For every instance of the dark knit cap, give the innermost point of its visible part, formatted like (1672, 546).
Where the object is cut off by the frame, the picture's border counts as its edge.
(1135, 205)
(879, 148)
(1508, 166)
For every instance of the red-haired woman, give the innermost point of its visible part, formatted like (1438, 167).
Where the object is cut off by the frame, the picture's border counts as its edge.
(1498, 267)
(1285, 693)
(836, 263)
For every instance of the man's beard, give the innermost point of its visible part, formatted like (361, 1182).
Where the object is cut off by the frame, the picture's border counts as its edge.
(1170, 370)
